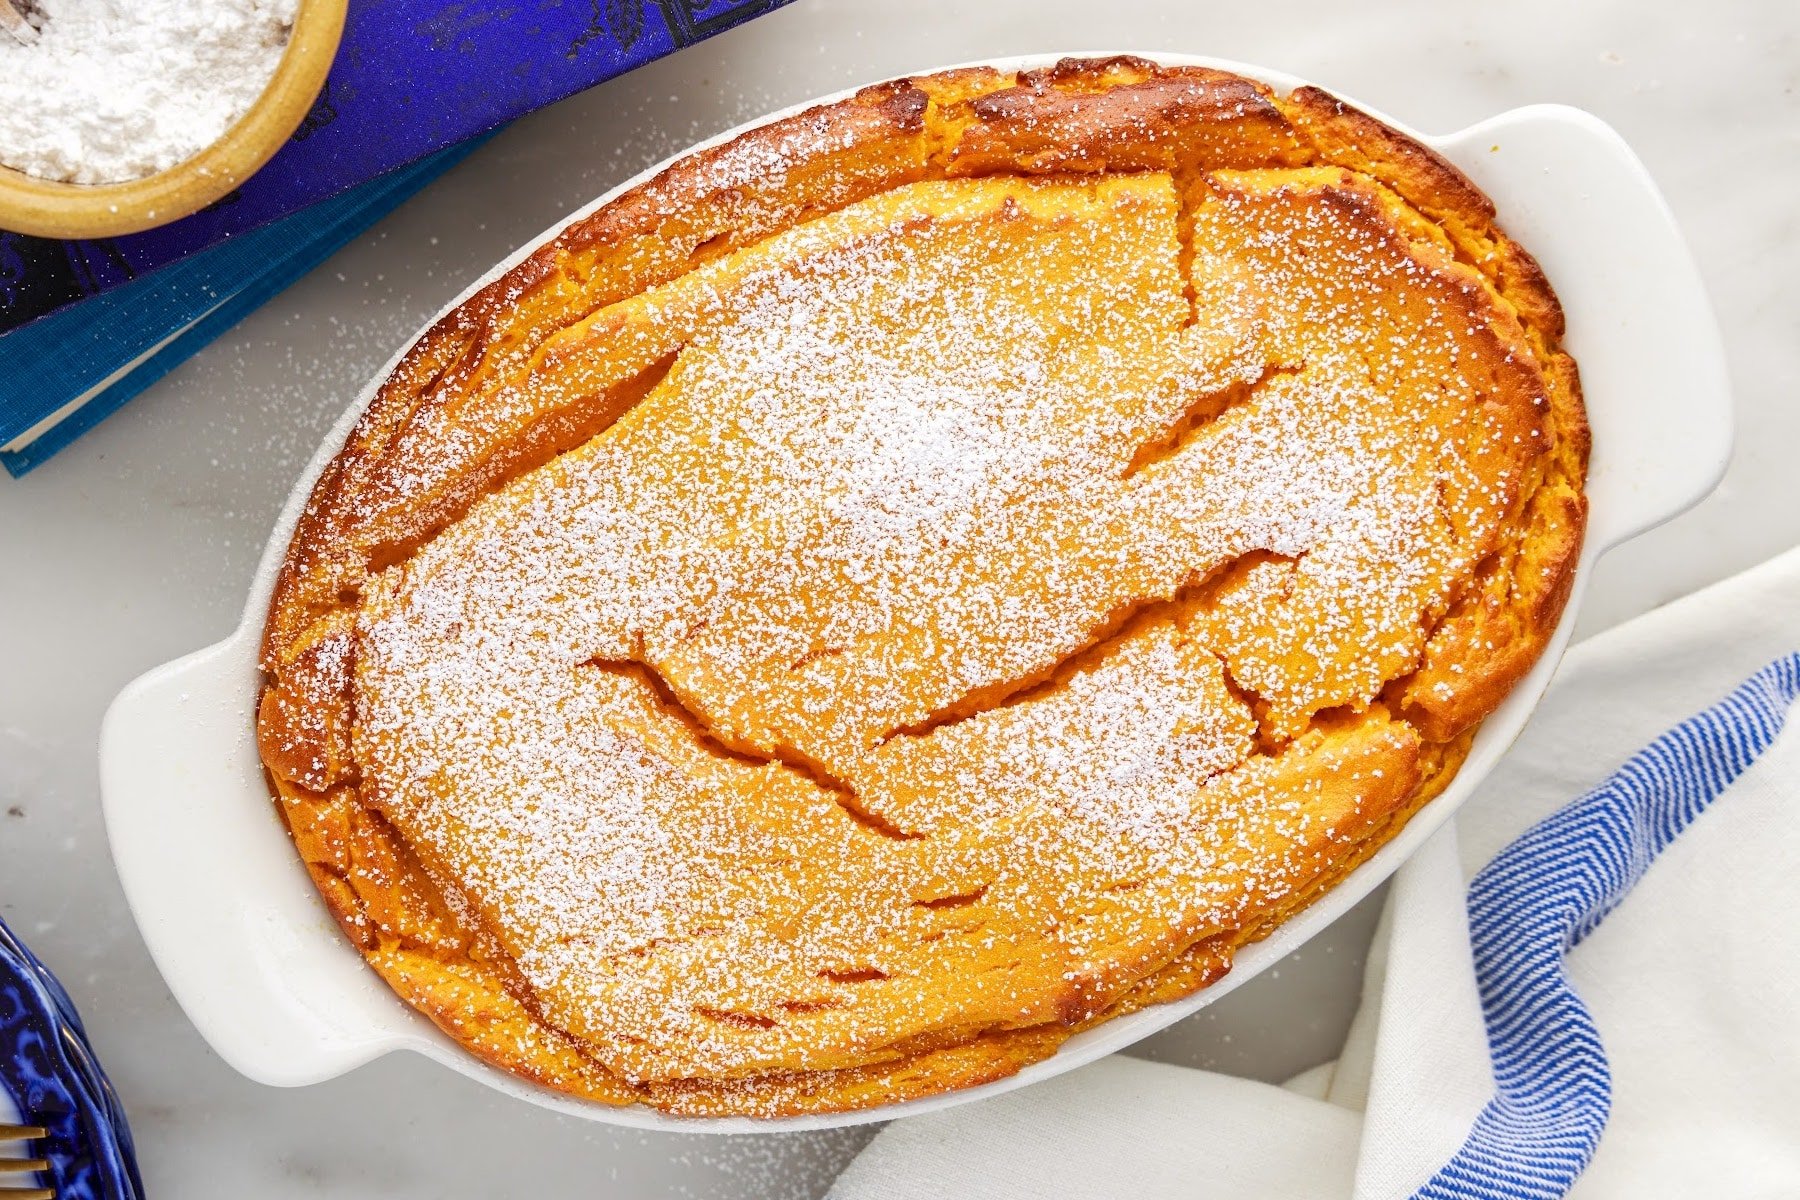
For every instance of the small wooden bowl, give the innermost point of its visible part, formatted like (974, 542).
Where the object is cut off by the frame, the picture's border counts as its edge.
(53, 209)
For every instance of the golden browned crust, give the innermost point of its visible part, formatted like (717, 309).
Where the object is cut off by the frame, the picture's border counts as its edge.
(453, 423)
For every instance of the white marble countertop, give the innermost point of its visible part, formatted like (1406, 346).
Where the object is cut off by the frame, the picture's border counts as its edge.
(136, 545)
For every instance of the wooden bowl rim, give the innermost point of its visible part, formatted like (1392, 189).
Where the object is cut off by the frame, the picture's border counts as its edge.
(54, 209)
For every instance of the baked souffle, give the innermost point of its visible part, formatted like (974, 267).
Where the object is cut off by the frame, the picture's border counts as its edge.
(919, 579)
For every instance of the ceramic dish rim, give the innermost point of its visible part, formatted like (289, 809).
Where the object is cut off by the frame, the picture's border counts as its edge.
(1499, 730)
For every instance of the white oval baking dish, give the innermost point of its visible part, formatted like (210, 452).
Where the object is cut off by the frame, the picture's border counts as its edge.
(251, 954)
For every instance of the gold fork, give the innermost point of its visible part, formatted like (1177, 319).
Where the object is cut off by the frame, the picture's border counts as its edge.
(20, 1166)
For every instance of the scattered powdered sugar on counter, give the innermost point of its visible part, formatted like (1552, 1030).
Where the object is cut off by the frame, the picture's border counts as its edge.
(114, 90)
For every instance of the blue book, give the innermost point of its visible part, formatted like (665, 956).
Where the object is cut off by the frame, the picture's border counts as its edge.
(86, 325)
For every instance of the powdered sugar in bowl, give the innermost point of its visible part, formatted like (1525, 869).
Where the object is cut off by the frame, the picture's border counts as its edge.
(234, 95)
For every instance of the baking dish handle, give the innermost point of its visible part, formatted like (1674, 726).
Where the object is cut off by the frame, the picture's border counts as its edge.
(221, 899)
(1639, 323)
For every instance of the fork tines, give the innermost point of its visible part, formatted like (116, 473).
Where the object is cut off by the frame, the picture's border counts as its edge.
(21, 1166)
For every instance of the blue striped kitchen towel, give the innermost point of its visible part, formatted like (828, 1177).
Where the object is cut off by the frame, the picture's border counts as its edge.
(1544, 894)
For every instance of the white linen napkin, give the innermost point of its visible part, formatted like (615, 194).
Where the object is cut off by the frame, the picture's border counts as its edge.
(1602, 943)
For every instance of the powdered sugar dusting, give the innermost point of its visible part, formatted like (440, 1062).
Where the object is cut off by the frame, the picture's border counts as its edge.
(867, 683)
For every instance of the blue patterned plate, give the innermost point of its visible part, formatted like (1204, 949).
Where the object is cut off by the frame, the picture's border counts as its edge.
(51, 1078)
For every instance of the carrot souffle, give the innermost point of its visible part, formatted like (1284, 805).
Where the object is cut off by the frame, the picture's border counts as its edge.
(920, 579)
